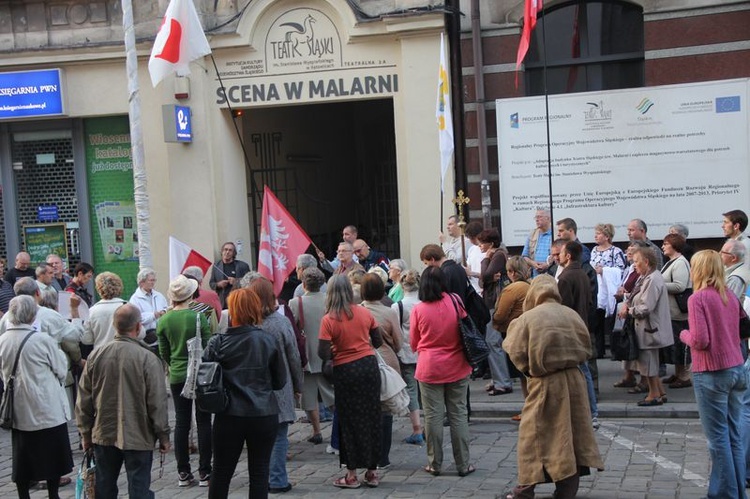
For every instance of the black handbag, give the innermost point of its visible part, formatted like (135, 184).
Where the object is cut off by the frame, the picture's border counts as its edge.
(6, 403)
(682, 299)
(474, 344)
(744, 323)
(624, 343)
(210, 395)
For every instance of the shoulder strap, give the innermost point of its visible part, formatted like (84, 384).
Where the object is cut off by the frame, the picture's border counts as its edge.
(301, 320)
(401, 312)
(18, 354)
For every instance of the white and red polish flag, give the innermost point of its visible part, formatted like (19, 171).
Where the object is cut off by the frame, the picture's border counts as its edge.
(282, 240)
(182, 256)
(180, 40)
(530, 10)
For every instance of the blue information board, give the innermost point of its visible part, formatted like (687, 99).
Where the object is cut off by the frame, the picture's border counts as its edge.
(183, 124)
(25, 94)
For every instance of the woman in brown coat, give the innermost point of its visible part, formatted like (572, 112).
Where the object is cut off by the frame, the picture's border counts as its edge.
(555, 439)
(509, 306)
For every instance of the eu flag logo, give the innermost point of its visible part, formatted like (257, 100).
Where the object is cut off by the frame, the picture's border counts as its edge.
(728, 104)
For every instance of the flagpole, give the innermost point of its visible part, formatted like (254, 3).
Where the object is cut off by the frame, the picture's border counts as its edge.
(546, 112)
(140, 190)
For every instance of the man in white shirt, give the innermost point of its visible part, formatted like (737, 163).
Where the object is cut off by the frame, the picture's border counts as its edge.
(451, 242)
(474, 255)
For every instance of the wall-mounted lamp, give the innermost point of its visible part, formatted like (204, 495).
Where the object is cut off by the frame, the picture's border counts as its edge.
(303, 158)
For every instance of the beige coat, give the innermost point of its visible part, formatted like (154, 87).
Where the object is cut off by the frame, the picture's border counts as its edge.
(677, 279)
(548, 343)
(650, 307)
(387, 319)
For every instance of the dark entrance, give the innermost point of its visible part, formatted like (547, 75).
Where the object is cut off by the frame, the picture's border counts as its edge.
(331, 165)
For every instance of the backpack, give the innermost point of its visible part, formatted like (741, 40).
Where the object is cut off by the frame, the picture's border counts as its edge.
(210, 395)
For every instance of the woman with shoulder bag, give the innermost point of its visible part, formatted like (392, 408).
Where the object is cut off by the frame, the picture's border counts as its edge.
(39, 434)
(253, 368)
(676, 273)
(373, 291)
(442, 371)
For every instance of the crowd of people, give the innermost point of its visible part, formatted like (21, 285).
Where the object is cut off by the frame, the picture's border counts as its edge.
(323, 348)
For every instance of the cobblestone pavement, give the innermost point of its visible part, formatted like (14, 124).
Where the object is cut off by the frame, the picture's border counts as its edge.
(645, 457)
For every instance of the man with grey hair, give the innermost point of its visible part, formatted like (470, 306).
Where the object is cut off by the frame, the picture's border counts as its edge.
(122, 408)
(536, 250)
(206, 296)
(736, 271)
(47, 320)
(151, 304)
(44, 276)
(304, 262)
(61, 280)
(637, 230)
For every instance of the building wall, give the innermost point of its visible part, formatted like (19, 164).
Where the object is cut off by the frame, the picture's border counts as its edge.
(685, 41)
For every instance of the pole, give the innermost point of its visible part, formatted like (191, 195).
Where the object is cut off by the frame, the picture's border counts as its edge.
(546, 112)
(476, 43)
(140, 186)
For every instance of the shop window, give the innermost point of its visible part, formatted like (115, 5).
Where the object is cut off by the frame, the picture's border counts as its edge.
(588, 46)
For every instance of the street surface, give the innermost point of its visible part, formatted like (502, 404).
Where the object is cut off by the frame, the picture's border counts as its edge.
(654, 453)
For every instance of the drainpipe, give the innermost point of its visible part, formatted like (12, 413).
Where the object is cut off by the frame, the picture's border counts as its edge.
(476, 43)
(453, 29)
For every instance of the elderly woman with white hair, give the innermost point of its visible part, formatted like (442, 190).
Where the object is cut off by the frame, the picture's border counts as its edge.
(205, 296)
(151, 303)
(396, 268)
(40, 443)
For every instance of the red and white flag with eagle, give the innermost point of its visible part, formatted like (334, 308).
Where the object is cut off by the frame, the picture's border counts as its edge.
(282, 240)
(180, 41)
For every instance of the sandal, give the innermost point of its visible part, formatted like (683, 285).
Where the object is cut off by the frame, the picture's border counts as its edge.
(625, 383)
(432, 471)
(347, 483)
(650, 403)
(371, 479)
(639, 388)
(471, 469)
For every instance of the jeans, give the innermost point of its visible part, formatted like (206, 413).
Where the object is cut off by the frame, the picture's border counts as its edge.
(498, 360)
(109, 460)
(719, 397)
(183, 408)
(746, 417)
(436, 399)
(231, 433)
(584, 367)
(277, 473)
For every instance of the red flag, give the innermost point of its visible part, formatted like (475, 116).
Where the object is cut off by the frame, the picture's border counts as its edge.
(530, 10)
(182, 256)
(179, 41)
(282, 240)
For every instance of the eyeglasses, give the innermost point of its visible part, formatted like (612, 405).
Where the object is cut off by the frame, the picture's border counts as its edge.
(343, 251)
(726, 253)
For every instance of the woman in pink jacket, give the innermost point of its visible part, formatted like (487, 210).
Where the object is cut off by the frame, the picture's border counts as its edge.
(719, 379)
(442, 370)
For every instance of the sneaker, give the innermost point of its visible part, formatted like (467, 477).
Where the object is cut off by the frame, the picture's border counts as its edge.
(185, 479)
(415, 439)
(316, 439)
(595, 423)
(331, 450)
(205, 478)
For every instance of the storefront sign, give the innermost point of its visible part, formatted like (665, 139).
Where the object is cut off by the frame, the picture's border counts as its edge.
(25, 94)
(177, 123)
(304, 59)
(47, 213)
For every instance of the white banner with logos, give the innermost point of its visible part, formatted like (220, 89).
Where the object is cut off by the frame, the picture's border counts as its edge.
(669, 154)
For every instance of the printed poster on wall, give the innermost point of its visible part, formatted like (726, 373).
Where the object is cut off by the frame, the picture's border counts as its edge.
(110, 184)
(669, 154)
